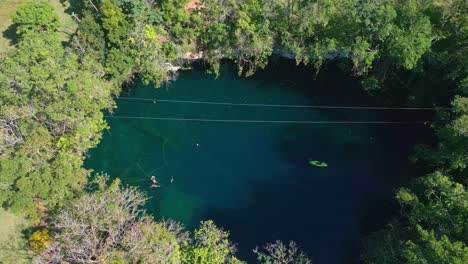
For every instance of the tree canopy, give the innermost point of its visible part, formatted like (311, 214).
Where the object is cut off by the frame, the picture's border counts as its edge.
(53, 94)
(35, 17)
(50, 115)
(110, 226)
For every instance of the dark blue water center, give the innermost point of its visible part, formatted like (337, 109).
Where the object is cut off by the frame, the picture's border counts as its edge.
(254, 179)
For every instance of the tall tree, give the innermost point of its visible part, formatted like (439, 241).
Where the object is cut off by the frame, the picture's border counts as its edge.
(50, 115)
(110, 226)
(210, 246)
(35, 17)
(279, 253)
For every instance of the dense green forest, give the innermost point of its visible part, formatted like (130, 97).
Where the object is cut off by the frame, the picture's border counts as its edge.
(53, 94)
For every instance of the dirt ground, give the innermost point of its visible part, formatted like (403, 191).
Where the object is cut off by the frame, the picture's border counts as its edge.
(192, 5)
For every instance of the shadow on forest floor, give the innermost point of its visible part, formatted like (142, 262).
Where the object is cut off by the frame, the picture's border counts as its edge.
(10, 35)
(73, 7)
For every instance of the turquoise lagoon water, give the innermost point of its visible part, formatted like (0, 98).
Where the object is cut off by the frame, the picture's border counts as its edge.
(254, 179)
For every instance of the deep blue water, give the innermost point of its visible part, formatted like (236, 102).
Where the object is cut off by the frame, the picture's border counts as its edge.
(254, 179)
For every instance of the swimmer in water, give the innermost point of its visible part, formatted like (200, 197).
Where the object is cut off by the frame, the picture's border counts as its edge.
(155, 183)
(172, 179)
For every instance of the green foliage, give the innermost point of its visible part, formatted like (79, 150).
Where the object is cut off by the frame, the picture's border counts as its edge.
(90, 39)
(398, 33)
(437, 210)
(169, 50)
(214, 33)
(384, 247)
(239, 31)
(176, 19)
(442, 206)
(110, 226)
(155, 243)
(362, 56)
(119, 64)
(253, 38)
(429, 249)
(130, 38)
(434, 227)
(376, 19)
(114, 21)
(52, 98)
(393, 246)
(371, 85)
(436, 207)
(39, 239)
(412, 37)
(51, 104)
(150, 56)
(35, 17)
(460, 109)
(296, 23)
(278, 253)
(210, 246)
(452, 153)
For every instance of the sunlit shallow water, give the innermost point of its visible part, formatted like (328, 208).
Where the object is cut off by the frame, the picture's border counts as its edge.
(254, 179)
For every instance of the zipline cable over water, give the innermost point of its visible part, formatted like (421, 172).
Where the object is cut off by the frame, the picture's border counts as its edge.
(264, 121)
(283, 105)
(210, 157)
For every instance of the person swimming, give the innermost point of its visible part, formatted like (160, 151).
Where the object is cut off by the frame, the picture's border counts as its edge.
(172, 179)
(155, 183)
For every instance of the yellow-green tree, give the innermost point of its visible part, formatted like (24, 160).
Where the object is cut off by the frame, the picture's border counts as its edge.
(35, 17)
(39, 240)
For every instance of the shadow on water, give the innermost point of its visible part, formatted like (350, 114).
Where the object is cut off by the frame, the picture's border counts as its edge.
(327, 211)
(323, 227)
(254, 179)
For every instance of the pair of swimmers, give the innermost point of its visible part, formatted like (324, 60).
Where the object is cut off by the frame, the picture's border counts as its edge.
(155, 183)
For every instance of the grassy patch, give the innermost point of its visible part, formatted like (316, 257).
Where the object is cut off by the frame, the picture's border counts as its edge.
(8, 8)
(67, 23)
(13, 242)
